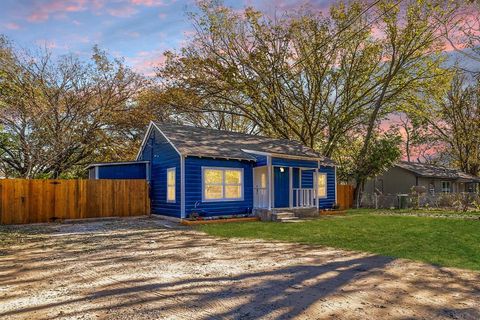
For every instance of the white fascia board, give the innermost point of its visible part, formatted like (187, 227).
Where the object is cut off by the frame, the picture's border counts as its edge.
(144, 141)
(114, 163)
(285, 156)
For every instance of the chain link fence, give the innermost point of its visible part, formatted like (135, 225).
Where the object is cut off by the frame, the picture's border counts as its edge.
(455, 201)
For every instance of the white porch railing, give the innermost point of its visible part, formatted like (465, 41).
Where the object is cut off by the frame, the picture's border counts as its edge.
(260, 198)
(303, 198)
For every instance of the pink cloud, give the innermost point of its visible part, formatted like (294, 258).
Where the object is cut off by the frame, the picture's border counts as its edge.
(43, 10)
(122, 12)
(148, 3)
(12, 26)
(146, 61)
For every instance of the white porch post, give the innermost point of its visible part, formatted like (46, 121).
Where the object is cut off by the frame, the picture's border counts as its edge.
(315, 183)
(290, 193)
(269, 182)
(336, 192)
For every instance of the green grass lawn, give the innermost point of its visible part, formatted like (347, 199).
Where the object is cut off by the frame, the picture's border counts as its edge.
(446, 242)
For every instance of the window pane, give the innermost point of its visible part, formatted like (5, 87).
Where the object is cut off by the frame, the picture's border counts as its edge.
(213, 192)
(233, 176)
(322, 185)
(233, 192)
(263, 180)
(171, 177)
(171, 193)
(213, 176)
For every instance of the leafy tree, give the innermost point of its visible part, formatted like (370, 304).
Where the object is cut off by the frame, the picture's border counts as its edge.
(291, 77)
(383, 153)
(412, 62)
(58, 114)
(456, 122)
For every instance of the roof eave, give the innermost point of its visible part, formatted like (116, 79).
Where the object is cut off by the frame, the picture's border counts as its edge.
(118, 163)
(288, 156)
(218, 157)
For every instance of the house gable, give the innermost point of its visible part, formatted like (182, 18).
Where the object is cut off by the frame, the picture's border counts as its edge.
(162, 156)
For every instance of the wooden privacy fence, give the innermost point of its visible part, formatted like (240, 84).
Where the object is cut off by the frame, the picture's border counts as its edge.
(31, 201)
(345, 193)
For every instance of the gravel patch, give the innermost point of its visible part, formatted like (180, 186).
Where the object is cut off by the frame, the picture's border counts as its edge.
(152, 269)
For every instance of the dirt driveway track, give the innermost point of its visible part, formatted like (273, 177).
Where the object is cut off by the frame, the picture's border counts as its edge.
(151, 269)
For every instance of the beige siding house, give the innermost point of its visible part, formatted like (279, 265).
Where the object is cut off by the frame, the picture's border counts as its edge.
(435, 179)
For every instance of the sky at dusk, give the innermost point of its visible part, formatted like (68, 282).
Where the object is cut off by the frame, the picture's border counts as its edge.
(139, 30)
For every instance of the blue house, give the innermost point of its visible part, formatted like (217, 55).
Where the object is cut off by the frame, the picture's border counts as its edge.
(220, 173)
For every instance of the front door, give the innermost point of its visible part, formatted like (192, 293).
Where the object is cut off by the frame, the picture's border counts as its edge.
(260, 192)
(281, 183)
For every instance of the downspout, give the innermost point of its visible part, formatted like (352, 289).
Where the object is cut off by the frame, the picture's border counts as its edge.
(270, 182)
(336, 193)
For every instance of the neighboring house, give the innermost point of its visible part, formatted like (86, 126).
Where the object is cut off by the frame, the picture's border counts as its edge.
(435, 179)
(218, 173)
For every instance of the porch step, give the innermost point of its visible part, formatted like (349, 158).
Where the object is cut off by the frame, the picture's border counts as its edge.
(284, 216)
(289, 219)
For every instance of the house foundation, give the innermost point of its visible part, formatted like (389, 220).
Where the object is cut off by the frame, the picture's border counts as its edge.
(269, 214)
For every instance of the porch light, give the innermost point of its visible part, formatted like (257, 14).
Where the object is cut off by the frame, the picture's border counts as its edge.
(282, 169)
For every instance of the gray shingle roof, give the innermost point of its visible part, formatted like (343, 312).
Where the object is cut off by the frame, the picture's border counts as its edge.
(194, 141)
(432, 171)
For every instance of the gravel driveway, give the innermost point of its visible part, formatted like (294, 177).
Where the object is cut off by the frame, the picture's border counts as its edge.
(147, 268)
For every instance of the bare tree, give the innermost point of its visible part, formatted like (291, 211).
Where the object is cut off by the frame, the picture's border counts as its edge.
(288, 76)
(56, 114)
(411, 52)
(456, 122)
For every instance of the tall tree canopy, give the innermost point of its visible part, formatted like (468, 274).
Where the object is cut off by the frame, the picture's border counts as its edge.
(455, 122)
(318, 79)
(58, 114)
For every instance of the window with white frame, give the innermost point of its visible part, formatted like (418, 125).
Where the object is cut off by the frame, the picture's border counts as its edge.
(446, 186)
(222, 184)
(321, 185)
(171, 185)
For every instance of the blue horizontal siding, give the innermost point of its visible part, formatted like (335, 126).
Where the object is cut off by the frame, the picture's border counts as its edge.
(193, 188)
(162, 156)
(307, 179)
(294, 163)
(122, 171)
(329, 201)
(261, 160)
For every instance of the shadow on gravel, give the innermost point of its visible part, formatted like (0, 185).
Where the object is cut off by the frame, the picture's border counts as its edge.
(89, 253)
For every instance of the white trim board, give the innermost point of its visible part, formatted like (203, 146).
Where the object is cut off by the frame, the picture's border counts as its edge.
(182, 187)
(101, 164)
(286, 156)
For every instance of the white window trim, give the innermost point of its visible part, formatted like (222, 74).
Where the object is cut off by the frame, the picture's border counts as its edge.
(223, 199)
(174, 169)
(318, 187)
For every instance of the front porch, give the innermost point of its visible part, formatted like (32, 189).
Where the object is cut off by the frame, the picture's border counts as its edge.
(278, 187)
